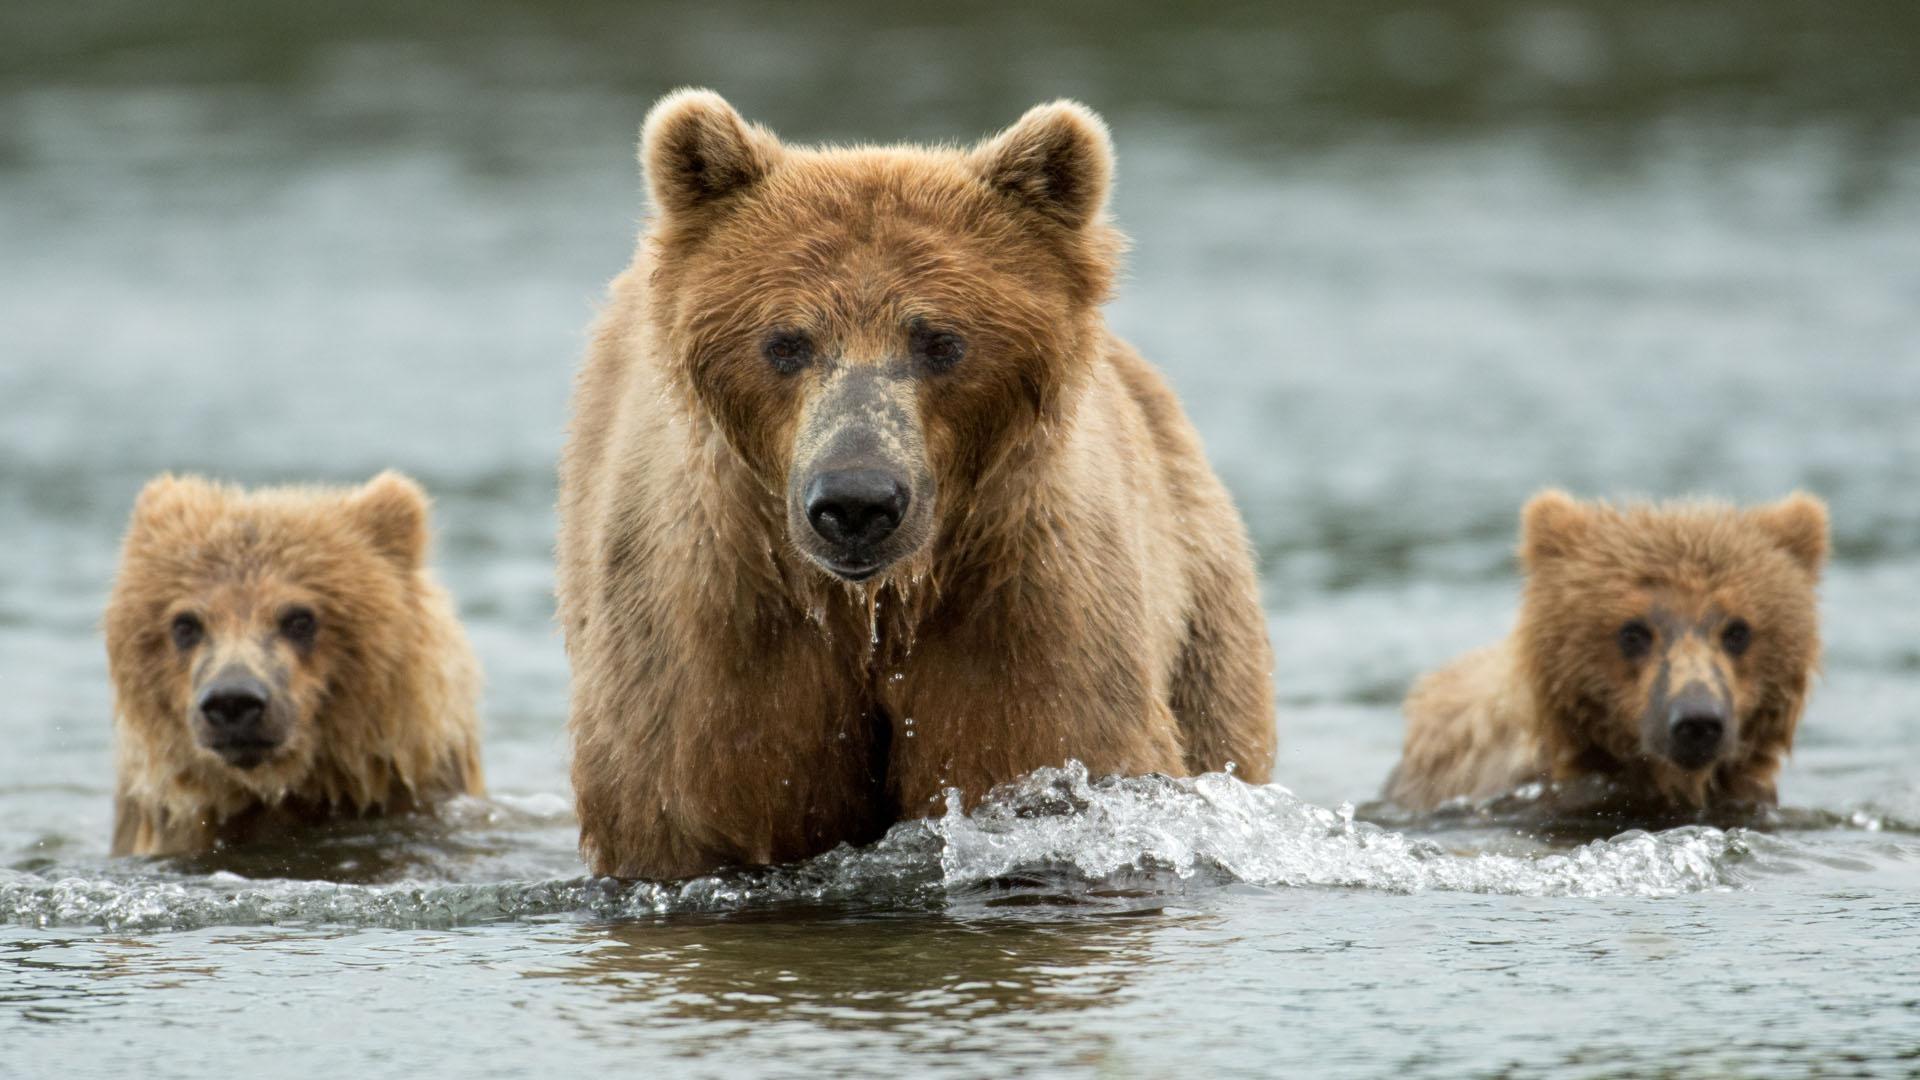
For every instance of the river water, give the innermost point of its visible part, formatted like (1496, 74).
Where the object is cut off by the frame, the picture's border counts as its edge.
(1404, 264)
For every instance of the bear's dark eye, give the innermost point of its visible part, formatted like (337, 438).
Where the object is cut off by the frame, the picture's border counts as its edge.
(298, 625)
(1636, 639)
(186, 631)
(788, 351)
(1736, 637)
(938, 349)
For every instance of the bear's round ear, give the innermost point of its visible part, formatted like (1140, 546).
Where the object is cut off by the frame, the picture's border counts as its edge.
(391, 510)
(162, 499)
(1798, 523)
(1057, 160)
(1552, 526)
(695, 151)
(154, 498)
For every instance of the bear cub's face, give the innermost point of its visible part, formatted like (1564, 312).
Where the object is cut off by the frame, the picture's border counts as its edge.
(234, 613)
(250, 665)
(874, 330)
(1680, 639)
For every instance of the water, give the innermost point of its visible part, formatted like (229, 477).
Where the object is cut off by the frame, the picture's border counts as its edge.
(1404, 264)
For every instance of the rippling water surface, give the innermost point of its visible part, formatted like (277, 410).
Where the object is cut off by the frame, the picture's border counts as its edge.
(1405, 264)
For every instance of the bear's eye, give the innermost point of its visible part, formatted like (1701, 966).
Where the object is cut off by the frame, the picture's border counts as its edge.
(186, 631)
(298, 625)
(938, 349)
(787, 350)
(1736, 637)
(1636, 639)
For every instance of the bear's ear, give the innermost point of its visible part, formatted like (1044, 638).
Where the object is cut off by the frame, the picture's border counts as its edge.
(1552, 526)
(163, 498)
(154, 499)
(392, 511)
(1057, 160)
(1798, 523)
(695, 151)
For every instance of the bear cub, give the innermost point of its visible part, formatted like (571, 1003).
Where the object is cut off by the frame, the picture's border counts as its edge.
(1662, 655)
(279, 658)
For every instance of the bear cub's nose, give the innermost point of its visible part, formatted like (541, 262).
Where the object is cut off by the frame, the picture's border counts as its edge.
(1695, 726)
(855, 509)
(233, 707)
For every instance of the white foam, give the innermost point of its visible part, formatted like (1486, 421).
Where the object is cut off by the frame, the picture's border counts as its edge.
(1057, 823)
(1263, 835)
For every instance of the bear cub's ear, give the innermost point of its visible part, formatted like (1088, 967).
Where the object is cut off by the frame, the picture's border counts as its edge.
(1798, 523)
(154, 499)
(1057, 159)
(392, 511)
(695, 151)
(1552, 526)
(170, 499)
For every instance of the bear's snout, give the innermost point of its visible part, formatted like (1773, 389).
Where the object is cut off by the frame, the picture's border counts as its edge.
(855, 509)
(860, 497)
(1696, 726)
(233, 710)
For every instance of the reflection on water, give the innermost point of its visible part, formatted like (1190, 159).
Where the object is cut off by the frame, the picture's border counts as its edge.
(919, 980)
(1404, 262)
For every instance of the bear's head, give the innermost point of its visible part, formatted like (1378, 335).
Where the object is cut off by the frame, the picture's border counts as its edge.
(875, 331)
(1672, 645)
(238, 619)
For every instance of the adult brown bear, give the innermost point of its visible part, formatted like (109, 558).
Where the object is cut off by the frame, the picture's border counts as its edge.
(862, 501)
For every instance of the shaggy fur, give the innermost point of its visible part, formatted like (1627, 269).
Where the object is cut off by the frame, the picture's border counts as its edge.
(374, 699)
(1562, 699)
(1071, 581)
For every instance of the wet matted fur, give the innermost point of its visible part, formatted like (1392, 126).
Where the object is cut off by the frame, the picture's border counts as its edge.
(1068, 578)
(1627, 610)
(321, 599)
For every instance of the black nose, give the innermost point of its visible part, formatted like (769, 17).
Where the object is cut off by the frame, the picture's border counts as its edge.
(234, 706)
(1695, 728)
(856, 508)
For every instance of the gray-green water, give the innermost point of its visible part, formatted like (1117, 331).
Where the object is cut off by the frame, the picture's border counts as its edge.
(1405, 263)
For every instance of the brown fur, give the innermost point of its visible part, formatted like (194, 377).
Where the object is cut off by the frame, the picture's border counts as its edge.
(1560, 700)
(1079, 585)
(378, 711)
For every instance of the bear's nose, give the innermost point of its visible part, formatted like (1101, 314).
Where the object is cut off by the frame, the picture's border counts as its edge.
(1696, 724)
(854, 509)
(233, 706)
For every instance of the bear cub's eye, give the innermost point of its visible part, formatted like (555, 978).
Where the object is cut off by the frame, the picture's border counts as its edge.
(787, 350)
(937, 349)
(298, 625)
(186, 631)
(1736, 637)
(1636, 639)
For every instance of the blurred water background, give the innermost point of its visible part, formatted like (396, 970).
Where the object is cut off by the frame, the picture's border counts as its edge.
(1405, 262)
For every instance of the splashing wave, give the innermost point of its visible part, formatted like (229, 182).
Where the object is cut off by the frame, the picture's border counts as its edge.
(1056, 824)
(1266, 836)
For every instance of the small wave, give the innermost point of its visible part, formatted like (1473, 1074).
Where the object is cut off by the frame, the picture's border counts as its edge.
(1263, 835)
(1056, 825)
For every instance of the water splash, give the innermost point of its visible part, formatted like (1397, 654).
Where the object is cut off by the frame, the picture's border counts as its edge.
(1263, 835)
(1058, 825)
